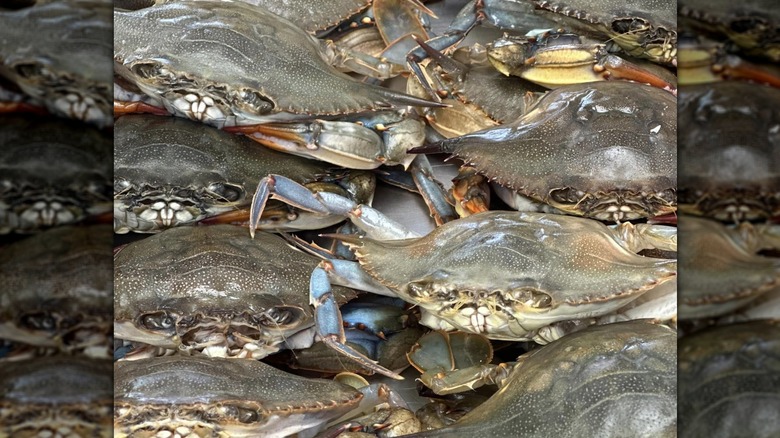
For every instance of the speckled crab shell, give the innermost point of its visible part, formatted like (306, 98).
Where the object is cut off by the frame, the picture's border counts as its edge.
(611, 380)
(526, 270)
(606, 150)
(196, 170)
(57, 53)
(52, 396)
(250, 65)
(56, 290)
(188, 286)
(221, 397)
(730, 151)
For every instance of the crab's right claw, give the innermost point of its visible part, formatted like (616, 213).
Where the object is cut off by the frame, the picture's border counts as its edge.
(329, 324)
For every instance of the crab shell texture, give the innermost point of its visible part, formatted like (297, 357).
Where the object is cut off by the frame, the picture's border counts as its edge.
(729, 383)
(57, 51)
(642, 28)
(55, 284)
(56, 396)
(751, 24)
(730, 151)
(221, 397)
(612, 380)
(55, 161)
(204, 170)
(175, 287)
(251, 63)
(505, 274)
(314, 16)
(606, 150)
(721, 273)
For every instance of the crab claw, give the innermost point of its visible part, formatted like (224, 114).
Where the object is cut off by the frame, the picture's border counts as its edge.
(341, 143)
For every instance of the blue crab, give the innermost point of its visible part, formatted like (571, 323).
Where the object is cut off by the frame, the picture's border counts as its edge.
(280, 76)
(52, 172)
(602, 150)
(216, 291)
(56, 291)
(508, 275)
(56, 53)
(54, 396)
(170, 172)
(179, 396)
(615, 380)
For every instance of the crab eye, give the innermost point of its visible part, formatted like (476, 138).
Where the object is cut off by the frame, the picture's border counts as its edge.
(566, 196)
(246, 415)
(252, 101)
(226, 192)
(39, 321)
(533, 298)
(629, 25)
(28, 70)
(158, 321)
(243, 415)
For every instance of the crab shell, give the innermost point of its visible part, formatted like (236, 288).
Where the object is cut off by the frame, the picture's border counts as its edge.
(201, 170)
(611, 380)
(730, 151)
(643, 28)
(606, 150)
(198, 287)
(314, 16)
(221, 397)
(721, 273)
(56, 396)
(751, 24)
(729, 382)
(243, 63)
(506, 274)
(52, 172)
(57, 53)
(56, 289)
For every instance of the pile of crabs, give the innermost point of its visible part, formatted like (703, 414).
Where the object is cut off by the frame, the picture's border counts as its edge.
(56, 264)
(252, 288)
(250, 139)
(729, 193)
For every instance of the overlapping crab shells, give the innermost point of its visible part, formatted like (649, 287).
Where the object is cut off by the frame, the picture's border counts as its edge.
(605, 150)
(56, 396)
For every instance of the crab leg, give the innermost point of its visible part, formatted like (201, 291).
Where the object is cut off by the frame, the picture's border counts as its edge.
(468, 17)
(368, 219)
(327, 316)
